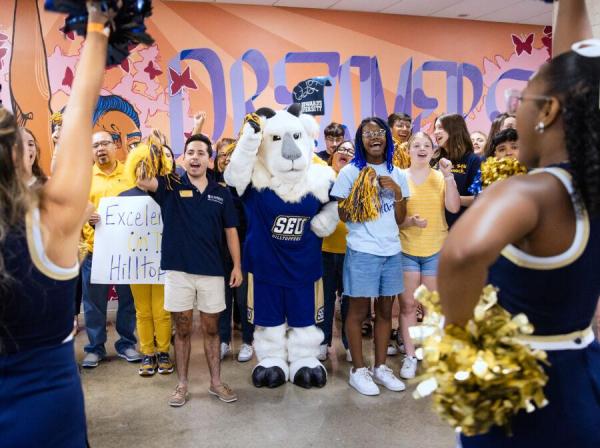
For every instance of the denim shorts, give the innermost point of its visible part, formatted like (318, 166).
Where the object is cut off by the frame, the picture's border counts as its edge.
(424, 265)
(367, 275)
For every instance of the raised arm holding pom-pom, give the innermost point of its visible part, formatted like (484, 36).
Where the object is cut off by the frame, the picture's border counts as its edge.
(62, 207)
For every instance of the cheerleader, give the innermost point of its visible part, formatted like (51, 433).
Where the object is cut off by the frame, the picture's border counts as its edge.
(537, 238)
(41, 401)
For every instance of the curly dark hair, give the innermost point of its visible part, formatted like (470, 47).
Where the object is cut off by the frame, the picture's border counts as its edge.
(575, 81)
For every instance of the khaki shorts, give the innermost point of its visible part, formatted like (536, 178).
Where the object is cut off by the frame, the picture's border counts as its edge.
(184, 291)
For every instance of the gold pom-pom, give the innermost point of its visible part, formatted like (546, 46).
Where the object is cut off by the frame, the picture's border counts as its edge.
(401, 157)
(252, 118)
(56, 118)
(148, 159)
(494, 169)
(479, 375)
(363, 203)
(228, 150)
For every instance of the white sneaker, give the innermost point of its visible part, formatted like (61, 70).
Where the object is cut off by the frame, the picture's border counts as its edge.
(409, 367)
(246, 352)
(322, 352)
(383, 375)
(348, 355)
(392, 350)
(362, 381)
(225, 350)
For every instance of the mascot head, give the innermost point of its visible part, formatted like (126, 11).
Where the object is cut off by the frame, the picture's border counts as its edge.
(287, 143)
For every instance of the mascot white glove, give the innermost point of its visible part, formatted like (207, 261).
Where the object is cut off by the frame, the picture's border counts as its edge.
(238, 173)
(326, 221)
(249, 140)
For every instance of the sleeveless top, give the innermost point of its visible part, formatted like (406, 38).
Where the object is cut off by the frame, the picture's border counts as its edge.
(558, 293)
(38, 304)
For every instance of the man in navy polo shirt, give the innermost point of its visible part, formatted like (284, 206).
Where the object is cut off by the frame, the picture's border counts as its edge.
(195, 211)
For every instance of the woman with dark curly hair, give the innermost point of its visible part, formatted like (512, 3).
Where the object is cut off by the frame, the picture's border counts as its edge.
(537, 238)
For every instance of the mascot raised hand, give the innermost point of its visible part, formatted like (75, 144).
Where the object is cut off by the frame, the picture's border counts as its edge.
(289, 211)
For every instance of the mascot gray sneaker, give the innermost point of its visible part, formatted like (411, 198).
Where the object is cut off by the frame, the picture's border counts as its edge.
(289, 211)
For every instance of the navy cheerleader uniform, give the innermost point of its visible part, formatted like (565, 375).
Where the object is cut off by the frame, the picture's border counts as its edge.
(559, 296)
(41, 400)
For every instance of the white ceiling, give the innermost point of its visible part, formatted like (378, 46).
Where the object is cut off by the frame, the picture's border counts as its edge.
(533, 12)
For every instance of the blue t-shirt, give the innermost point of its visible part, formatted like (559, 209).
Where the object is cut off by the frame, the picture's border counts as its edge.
(192, 240)
(280, 247)
(380, 236)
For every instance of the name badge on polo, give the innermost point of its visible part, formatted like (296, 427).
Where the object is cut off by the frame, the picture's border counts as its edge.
(186, 193)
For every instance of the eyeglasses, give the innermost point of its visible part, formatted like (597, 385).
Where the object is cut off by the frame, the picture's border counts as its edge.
(103, 143)
(514, 98)
(332, 139)
(348, 150)
(372, 134)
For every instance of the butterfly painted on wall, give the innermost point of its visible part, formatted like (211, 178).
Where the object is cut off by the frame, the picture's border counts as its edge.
(547, 41)
(152, 71)
(523, 45)
(178, 81)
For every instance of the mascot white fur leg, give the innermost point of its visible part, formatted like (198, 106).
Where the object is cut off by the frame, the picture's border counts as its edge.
(303, 347)
(270, 345)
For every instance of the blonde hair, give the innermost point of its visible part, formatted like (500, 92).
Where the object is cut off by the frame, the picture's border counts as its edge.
(420, 134)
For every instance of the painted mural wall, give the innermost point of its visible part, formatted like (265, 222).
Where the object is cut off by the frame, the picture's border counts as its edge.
(231, 59)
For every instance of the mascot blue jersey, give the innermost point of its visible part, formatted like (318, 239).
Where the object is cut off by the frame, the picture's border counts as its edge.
(280, 247)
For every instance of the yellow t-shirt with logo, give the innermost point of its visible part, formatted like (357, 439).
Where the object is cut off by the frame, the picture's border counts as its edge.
(103, 186)
(427, 201)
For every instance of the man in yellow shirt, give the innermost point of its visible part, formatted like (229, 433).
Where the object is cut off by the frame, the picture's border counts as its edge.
(108, 180)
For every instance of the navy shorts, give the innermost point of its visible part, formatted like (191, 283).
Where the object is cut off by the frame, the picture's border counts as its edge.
(271, 305)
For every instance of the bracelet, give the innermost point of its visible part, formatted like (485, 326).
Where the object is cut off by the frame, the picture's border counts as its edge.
(449, 177)
(399, 200)
(94, 27)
